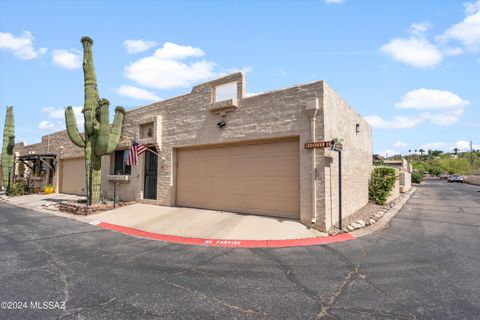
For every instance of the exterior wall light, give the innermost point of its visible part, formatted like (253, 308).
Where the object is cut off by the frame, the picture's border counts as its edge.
(357, 128)
(221, 124)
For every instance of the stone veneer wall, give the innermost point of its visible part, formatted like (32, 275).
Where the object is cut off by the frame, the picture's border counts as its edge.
(339, 121)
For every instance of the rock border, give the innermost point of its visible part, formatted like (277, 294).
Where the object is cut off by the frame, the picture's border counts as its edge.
(382, 218)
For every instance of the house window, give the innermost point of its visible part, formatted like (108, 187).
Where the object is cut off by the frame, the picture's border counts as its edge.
(226, 92)
(121, 166)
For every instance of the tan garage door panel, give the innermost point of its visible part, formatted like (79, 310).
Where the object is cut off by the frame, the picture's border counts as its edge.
(253, 178)
(73, 176)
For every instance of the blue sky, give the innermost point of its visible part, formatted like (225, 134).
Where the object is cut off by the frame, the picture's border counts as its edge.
(411, 68)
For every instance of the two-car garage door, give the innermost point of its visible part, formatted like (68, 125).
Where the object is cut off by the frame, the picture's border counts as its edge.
(258, 178)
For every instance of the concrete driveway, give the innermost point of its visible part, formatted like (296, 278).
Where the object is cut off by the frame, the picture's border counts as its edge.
(184, 222)
(200, 223)
(37, 201)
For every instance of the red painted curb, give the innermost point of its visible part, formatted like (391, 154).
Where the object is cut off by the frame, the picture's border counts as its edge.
(229, 243)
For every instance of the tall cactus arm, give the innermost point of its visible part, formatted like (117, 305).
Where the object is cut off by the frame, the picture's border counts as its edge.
(116, 129)
(72, 129)
(90, 84)
(104, 128)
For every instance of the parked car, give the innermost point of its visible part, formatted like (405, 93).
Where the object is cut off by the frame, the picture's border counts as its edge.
(455, 178)
(443, 176)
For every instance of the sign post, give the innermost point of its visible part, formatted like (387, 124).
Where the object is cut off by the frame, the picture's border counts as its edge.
(90, 184)
(334, 145)
(338, 147)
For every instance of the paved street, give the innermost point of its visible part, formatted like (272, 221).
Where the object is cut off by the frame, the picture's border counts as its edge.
(426, 265)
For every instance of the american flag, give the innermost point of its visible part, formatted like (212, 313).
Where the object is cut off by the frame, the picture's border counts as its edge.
(135, 150)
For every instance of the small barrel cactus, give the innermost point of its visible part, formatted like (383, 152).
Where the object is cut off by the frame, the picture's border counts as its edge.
(98, 138)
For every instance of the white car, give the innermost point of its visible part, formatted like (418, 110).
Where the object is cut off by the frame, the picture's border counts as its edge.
(455, 178)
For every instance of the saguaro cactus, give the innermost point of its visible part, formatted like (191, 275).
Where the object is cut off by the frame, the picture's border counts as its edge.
(8, 144)
(98, 138)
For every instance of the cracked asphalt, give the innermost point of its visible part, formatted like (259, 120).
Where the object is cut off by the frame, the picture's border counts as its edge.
(426, 265)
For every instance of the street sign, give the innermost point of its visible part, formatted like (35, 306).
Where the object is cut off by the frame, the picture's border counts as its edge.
(317, 145)
(337, 147)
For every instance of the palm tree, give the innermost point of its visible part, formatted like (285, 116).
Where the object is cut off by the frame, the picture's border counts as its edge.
(455, 150)
(421, 152)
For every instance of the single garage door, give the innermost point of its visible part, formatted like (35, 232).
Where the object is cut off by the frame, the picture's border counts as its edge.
(73, 176)
(258, 178)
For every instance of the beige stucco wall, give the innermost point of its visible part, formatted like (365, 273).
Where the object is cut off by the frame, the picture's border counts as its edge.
(472, 179)
(405, 181)
(395, 193)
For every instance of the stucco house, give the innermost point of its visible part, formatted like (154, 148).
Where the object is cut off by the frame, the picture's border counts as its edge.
(221, 149)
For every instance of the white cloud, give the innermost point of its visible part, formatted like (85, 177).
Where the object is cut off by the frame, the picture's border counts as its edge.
(400, 144)
(389, 152)
(45, 125)
(472, 7)
(462, 145)
(137, 93)
(420, 52)
(165, 70)
(413, 51)
(68, 59)
(442, 108)
(54, 112)
(175, 66)
(423, 99)
(419, 28)
(173, 51)
(443, 118)
(466, 32)
(398, 122)
(434, 146)
(21, 46)
(136, 46)
(59, 113)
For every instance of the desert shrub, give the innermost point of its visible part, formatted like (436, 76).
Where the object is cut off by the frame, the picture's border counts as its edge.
(18, 188)
(381, 184)
(417, 177)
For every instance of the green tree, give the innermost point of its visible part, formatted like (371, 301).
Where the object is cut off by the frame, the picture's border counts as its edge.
(381, 184)
(436, 153)
(452, 165)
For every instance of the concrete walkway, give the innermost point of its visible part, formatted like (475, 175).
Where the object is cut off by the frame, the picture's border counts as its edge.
(208, 224)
